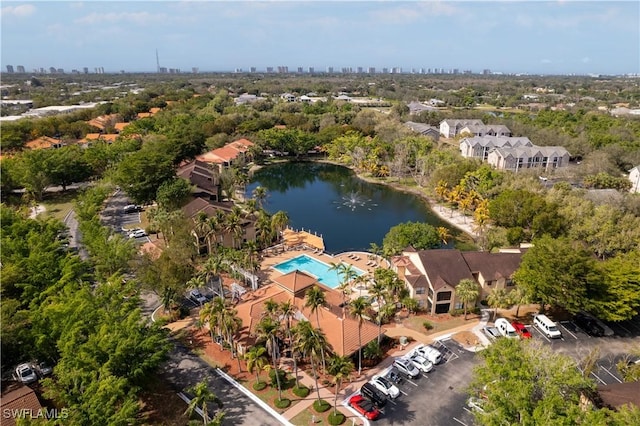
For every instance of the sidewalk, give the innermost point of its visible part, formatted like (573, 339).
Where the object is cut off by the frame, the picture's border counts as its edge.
(355, 384)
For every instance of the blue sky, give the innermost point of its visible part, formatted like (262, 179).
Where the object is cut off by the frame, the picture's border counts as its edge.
(549, 37)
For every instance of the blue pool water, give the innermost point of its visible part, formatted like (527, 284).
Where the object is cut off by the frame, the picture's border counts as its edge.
(320, 270)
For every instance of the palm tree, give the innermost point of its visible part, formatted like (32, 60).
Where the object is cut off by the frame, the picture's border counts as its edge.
(358, 308)
(287, 311)
(260, 194)
(279, 221)
(208, 314)
(268, 329)
(385, 312)
(232, 324)
(256, 360)
(467, 291)
(311, 342)
(202, 395)
(314, 299)
(233, 225)
(443, 234)
(519, 296)
(498, 298)
(271, 308)
(168, 298)
(213, 267)
(340, 367)
(441, 189)
(264, 229)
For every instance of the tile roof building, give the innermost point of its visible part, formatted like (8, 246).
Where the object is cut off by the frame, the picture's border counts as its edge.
(203, 177)
(480, 146)
(228, 154)
(19, 400)
(45, 142)
(424, 129)
(526, 157)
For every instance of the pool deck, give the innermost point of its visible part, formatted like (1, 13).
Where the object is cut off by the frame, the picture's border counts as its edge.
(363, 261)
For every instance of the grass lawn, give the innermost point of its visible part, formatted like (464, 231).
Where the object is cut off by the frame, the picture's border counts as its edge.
(270, 393)
(415, 323)
(58, 204)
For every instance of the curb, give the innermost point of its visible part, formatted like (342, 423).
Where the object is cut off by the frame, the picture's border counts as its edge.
(254, 398)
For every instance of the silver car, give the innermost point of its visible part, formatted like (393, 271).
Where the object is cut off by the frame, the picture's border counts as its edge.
(421, 363)
(25, 374)
(406, 367)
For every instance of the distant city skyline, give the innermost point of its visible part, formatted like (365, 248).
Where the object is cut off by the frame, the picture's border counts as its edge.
(535, 37)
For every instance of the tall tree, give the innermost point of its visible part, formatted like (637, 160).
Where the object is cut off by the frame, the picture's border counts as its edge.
(340, 367)
(202, 395)
(467, 291)
(268, 329)
(256, 360)
(498, 298)
(358, 308)
(311, 342)
(315, 299)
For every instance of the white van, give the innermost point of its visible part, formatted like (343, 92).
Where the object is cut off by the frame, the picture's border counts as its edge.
(546, 326)
(428, 352)
(506, 329)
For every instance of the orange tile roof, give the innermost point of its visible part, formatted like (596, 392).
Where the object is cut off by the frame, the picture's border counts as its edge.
(120, 126)
(92, 136)
(295, 281)
(155, 110)
(22, 398)
(108, 137)
(103, 121)
(144, 115)
(226, 153)
(43, 142)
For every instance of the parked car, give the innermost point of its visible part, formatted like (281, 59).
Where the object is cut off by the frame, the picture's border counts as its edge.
(406, 367)
(421, 363)
(429, 352)
(588, 324)
(372, 393)
(521, 330)
(131, 208)
(394, 376)
(197, 297)
(364, 407)
(42, 368)
(546, 326)
(25, 374)
(385, 386)
(491, 332)
(138, 233)
(506, 329)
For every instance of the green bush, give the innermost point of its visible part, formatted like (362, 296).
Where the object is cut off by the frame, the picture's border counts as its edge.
(336, 418)
(281, 374)
(427, 325)
(301, 392)
(321, 406)
(282, 403)
(259, 386)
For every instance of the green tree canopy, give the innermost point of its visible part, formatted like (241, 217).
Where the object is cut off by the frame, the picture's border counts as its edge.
(418, 235)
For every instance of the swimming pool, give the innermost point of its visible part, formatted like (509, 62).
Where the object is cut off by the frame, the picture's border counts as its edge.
(322, 271)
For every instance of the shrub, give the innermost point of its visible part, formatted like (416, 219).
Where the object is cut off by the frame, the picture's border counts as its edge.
(282, 403)
(321, 406)
(301, 392)
(427, 325)
(259, 386)
(336, 418)
(281, 374)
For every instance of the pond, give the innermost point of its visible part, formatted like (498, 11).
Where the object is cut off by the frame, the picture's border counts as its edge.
(331, 200)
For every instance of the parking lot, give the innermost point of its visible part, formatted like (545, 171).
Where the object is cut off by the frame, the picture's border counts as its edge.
(440, 398)
(435, 398)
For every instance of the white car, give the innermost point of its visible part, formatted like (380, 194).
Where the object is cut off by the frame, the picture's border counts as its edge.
(138, 233)
(421, 363)
(428, 352)
(196, 296)
(406, 367)
(25, 374)
(385, 386)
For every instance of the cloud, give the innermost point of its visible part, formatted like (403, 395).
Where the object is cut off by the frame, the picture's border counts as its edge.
(138, 18)
(20, 11)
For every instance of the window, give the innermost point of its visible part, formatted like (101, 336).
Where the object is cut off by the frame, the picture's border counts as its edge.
(510, 283)
(489, 283)
(459, 305)
(430, 293)
(444, 295)
(420, 290)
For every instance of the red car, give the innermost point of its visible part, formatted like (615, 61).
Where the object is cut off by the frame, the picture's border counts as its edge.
(521, 330)
(364, 407)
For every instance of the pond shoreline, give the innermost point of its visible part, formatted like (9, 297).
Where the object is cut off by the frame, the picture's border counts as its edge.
(451, 216)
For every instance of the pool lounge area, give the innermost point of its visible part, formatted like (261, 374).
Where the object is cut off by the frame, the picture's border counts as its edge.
(320, 270)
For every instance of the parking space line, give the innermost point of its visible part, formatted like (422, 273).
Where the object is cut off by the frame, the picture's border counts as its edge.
(567, 330)
(611, 374)
(541, 334)
(467, 410)
(425, 375)
(403, 392)
(624, 328)
(598, 378)
(414, 384)
(460, 421)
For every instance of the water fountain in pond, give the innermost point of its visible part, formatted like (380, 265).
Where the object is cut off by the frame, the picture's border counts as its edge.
(354, 200)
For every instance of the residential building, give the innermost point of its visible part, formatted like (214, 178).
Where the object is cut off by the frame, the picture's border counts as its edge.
(451, 128)
(526, 157)
(10, 69)
(416, 107)
(228, 155)
(203, 177)
(480, 146)
(104, 137)
(247, 98)
(19, 399)
(288, 97)
(103, 121)
(634, 177)
(424, 129)
(45, 142)
(485, 130)
(200, 209)
(21, 69)
(431, 276)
